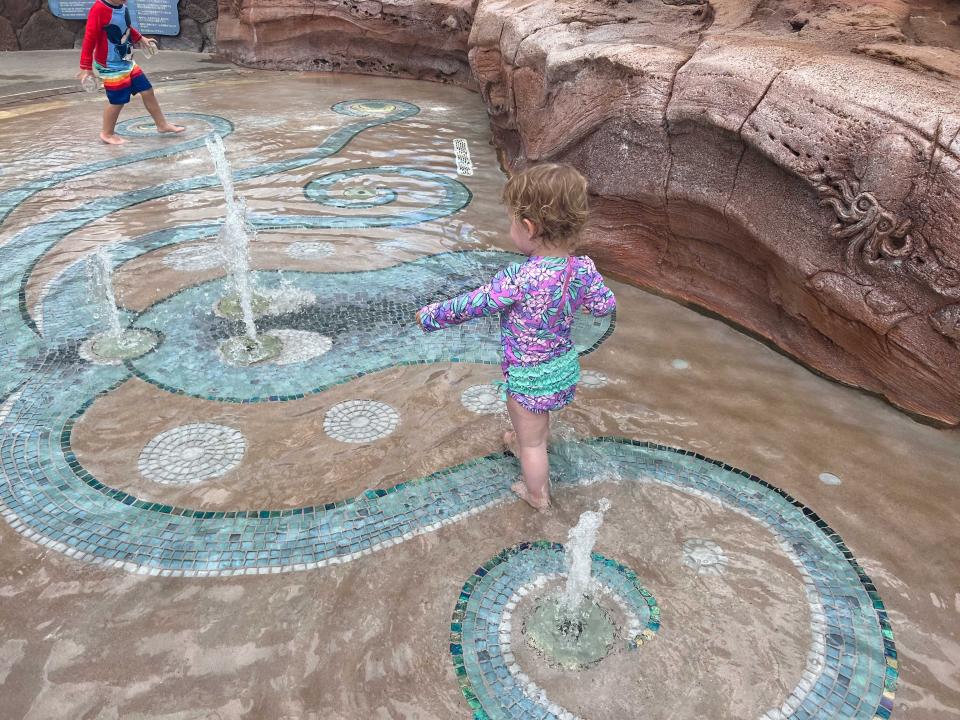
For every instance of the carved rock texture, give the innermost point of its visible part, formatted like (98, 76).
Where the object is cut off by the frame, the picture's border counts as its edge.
(425, 39)
(765, 166)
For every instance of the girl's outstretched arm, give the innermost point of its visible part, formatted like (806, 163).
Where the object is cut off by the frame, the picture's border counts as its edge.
(598, 299)
(494, 297)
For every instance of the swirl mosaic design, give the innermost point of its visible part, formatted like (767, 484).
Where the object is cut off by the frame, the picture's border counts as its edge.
(47, 495)
(481, 630)
(371, 326)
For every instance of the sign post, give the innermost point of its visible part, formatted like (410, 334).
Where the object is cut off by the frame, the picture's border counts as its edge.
(150, 17)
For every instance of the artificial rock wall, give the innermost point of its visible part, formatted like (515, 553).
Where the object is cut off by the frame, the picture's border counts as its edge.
(29, 25)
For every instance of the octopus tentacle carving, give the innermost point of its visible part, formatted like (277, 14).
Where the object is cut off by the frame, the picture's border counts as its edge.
(872, 233)
(875, 237)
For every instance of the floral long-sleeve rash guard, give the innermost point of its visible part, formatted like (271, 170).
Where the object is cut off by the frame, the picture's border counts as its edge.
(536, 315)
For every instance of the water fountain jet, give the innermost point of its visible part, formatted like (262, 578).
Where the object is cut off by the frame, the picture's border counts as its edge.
(570, 628)
(234, 242)
(115, 343)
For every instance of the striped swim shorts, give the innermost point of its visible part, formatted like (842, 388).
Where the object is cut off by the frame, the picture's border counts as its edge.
(121, 84)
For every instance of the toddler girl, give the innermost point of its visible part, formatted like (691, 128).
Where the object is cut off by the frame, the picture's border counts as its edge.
(537, 301)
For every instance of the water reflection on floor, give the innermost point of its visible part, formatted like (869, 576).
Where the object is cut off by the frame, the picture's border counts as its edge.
(332, 535)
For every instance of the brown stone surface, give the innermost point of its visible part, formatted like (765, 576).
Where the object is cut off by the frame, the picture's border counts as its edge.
(19, 11)
(43, 31)
(8, 38)
(425, 39)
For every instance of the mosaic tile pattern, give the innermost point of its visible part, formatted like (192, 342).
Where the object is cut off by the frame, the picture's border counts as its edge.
(310, 250)
(191, 454)
(195, 256)
(372, 327)
(20, 254)
(10, 199)
(481, 630)
(704, 557)
(300, 346)
(593, 379)
(360, 421)
(50, 498)
(483, 399)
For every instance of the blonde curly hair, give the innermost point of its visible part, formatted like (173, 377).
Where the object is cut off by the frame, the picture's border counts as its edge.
(553, 197)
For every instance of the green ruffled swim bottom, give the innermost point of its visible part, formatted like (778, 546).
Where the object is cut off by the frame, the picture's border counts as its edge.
(542, 380)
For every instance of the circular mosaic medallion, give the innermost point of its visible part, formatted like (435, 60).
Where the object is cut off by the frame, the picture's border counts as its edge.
(483, 400)
(305, 250)
(299, 346)
(191, 454)
(194, 257)
(366, 108)
(482, 631)
(679, 364)
(704, 556)
(360, 421)
(593, 379)
(829, 479)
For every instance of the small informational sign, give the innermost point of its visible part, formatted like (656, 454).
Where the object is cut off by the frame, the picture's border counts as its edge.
(70, 9)
(150, 17)
(461, 153)
(155, 17)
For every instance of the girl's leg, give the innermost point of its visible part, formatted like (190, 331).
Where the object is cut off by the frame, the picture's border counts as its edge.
(532, 431)
(153, 107)
(110, 115)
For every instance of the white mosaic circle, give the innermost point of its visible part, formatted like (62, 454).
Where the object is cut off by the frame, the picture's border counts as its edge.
(360, 421)
(191, 454)
(483, 400)
(679, 364)
(829, 479)
(299, 346)
(195, 256)
(704, 556)
(305, 250)
(593, 379)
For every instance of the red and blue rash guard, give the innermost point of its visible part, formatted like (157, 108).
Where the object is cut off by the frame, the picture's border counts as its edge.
(105, 36)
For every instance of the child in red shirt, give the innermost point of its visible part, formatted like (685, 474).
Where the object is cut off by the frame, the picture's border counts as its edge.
(108, 45)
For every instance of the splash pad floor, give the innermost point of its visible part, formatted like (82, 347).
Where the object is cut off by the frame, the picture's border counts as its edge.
(331, 535)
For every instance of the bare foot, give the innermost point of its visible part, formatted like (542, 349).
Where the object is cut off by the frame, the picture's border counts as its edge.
(112, 139)
(519, 489)
(170, 128)
(510, 440)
